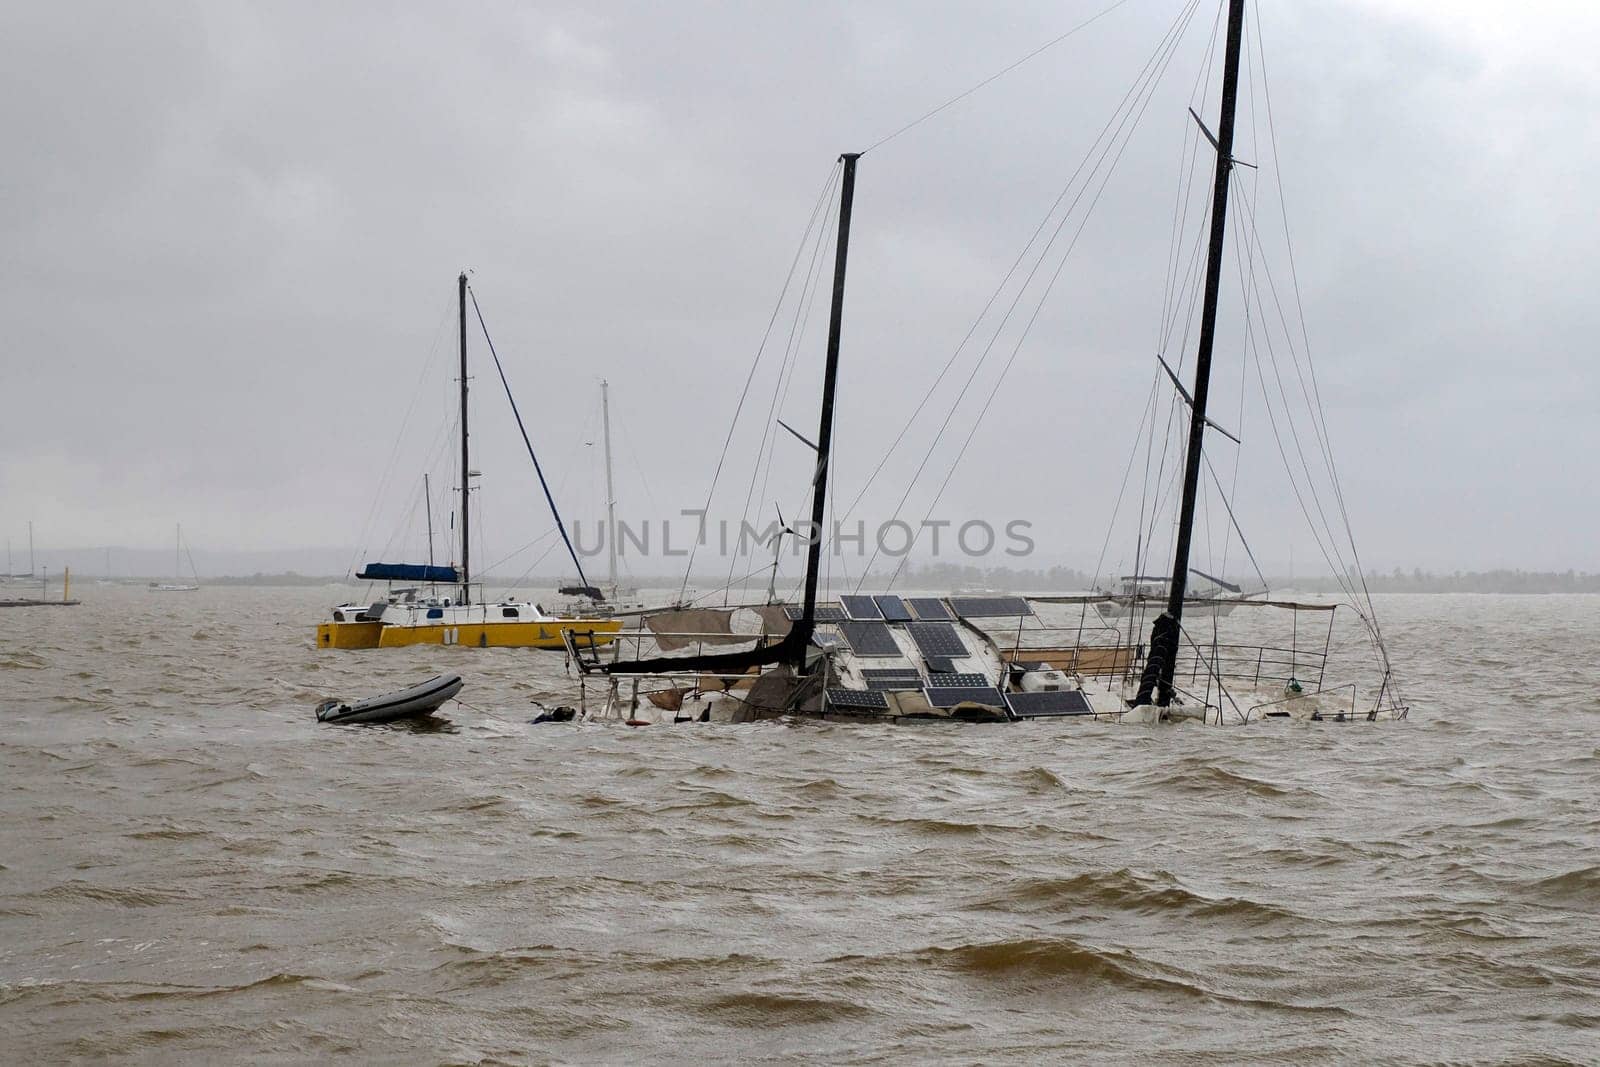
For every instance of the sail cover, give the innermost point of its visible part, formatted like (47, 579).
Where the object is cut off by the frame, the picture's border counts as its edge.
(675, 630)
(408, 572)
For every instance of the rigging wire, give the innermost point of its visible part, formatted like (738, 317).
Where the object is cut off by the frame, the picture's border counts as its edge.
(754, 364)
(543, 484)
(1272, 133)
(1150, 77)
(394, 451)
(1133, 91)
(780, 391)
(995, 76)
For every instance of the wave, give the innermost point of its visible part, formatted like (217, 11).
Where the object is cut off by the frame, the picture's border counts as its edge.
(1127, 890)
(1057, 963)
(781, 1009)
(1579, 886)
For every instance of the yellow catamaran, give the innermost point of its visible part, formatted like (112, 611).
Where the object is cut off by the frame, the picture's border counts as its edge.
(417, 613)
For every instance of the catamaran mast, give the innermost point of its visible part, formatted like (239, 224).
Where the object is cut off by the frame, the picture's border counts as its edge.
(1155, 685)
(427, 507)
(611, 496)
(830, 375)
(466, 472)
(177, 556)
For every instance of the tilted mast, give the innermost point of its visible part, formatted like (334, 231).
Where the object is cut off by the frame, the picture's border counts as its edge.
(1155, 685)
(466, 471)
(830, 376)
(792, 649)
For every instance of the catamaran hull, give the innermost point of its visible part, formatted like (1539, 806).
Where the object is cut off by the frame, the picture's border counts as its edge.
(544, 634)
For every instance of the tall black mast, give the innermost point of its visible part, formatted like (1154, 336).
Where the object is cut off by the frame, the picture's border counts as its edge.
(792, 647)
(830, 375)
(466, 470)
(1156, 683)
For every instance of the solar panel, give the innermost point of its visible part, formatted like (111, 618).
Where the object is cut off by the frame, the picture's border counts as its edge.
(892, 608)
(937, 639)
(941, 680)
(989, 607)
(825, 613)
(858, 699)
(950, 696)
(928, 608)
(1040, 705)
(870, 638)
(860, 607)
(939, 664)
(892, 679)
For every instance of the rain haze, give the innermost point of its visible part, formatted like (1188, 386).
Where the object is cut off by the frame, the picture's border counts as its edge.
(232, 234)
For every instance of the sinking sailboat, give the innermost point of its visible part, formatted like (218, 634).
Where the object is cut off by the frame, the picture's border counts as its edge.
(434, 604)
(997, 658)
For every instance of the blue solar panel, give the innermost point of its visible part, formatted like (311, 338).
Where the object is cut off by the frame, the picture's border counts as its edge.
(1041, 705)
(860, 607)
(950, 696)
(858, 699)
(892, 607)
(929, 609)
(989, 607)
(936, 639)
(869, 638)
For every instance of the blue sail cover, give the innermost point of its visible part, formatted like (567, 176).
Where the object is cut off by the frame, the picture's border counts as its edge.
(408, 572)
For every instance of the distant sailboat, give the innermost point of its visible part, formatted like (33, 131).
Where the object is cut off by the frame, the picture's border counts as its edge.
(178, 585)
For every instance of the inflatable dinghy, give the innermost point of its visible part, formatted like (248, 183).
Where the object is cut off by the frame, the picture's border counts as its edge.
(421, 699)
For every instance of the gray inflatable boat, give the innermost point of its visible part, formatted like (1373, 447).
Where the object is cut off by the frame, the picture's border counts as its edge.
(413, 703)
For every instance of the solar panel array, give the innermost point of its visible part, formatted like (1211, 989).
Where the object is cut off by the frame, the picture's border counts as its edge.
(825, 613)
(939, 680)
(858, 699)
(989, 607)
(892, 679)
(869, 638)
(936, 639)
(950, 696)
(860, 607)
(1041, 705)
(928, 608)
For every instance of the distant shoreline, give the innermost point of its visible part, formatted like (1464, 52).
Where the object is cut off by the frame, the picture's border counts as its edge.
(1057, 580)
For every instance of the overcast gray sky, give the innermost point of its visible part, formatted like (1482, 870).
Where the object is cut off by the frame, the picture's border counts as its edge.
(231, 234)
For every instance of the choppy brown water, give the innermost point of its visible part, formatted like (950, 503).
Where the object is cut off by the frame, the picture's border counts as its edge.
(191, 868)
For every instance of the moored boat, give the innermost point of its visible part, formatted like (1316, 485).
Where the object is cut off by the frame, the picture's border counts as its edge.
(440, 609)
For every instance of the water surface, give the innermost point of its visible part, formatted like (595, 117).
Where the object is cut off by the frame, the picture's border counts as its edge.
(191, 868)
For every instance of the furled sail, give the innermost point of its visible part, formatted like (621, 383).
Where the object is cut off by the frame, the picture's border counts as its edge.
(409, 572)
